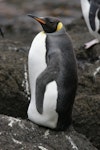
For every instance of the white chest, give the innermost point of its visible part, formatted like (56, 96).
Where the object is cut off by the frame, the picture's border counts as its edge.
(85, 9)
(36, 59)
(36, 65)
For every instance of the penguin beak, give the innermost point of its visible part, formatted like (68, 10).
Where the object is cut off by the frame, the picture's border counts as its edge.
(1, 33)
(40, 20)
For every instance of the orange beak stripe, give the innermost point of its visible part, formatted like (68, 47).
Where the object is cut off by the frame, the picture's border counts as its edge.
(40, 20)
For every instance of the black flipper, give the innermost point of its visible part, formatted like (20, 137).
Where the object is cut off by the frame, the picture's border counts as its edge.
(98, 15)
(48, 75)
(92, 14)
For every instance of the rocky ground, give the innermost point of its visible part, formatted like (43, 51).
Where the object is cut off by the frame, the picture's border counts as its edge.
(23, 135)
(19, 31)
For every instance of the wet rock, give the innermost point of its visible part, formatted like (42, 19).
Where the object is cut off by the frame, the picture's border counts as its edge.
(16, 133)
(12, 97)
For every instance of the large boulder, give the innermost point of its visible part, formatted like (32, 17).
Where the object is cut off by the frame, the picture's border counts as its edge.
(12, 96)
(21, 134)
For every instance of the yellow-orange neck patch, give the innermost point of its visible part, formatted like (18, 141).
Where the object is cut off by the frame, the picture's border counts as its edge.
(59, 26)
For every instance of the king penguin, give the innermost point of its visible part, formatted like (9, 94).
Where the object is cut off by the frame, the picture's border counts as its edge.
(52, 75)
(91, 13)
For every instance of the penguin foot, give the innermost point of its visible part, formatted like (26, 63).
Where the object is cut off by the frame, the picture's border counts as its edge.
(91, 43)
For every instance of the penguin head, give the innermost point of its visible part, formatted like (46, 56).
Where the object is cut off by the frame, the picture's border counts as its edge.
(49, 24)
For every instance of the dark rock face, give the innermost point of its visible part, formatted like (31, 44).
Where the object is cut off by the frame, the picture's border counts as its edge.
(22, 134)
(12, 97)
